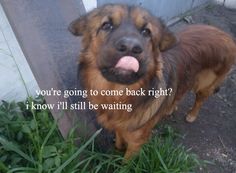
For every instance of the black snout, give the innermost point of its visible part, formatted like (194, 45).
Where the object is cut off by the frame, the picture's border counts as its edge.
(129, 44)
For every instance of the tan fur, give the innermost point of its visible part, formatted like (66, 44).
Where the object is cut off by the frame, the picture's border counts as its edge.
(204, 79)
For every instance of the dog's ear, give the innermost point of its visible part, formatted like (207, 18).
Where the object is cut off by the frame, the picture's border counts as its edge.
(78, 26)
(168, 39)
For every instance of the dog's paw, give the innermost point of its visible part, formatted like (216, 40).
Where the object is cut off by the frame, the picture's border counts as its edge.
(190, 118)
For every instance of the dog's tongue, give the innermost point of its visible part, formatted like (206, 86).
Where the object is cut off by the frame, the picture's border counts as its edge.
(128, 63)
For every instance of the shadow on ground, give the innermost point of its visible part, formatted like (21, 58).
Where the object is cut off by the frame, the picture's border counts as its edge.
(213, 135)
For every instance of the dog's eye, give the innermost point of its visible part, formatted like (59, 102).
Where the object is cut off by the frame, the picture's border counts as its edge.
(146, 32)
(107, 26)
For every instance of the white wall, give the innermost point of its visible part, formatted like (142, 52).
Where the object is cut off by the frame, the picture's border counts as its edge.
(16, 78)
(230, 4)
(227, 3)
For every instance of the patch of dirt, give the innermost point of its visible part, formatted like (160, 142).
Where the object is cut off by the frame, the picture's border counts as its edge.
(213, 135)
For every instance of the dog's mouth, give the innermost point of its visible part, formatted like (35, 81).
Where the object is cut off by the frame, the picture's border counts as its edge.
(127, 64)
(127, 70)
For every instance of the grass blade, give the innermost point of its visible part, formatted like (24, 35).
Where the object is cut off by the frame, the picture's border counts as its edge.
(78, 152)
(162, 161)
(23, 169)
(10, 146)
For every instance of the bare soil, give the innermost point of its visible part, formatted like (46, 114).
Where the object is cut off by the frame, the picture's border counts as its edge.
(213, 135)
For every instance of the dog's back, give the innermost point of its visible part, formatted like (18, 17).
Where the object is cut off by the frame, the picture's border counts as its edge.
(203, 57)
(208, 42)
(203, 46)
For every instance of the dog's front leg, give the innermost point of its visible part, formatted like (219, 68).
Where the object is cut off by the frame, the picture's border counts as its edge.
(132, 149)
(135, 140)
(119, 141)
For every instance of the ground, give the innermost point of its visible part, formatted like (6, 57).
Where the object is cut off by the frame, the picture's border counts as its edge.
(213, 135)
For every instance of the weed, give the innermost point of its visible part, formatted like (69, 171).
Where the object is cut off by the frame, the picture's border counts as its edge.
(30, 142)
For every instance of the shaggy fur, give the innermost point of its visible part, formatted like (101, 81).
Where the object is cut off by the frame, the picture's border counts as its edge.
(197, 58)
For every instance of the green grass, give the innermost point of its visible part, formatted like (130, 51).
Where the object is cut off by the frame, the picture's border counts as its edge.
(30, 142)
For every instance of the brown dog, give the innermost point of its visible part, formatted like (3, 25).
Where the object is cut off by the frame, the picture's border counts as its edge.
(128, 48)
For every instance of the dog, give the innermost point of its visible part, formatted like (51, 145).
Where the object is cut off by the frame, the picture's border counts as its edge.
(125, 47)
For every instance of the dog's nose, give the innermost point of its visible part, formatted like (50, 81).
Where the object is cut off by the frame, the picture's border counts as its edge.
(129, 44)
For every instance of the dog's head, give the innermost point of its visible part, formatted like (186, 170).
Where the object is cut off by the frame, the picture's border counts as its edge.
(126, 41)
